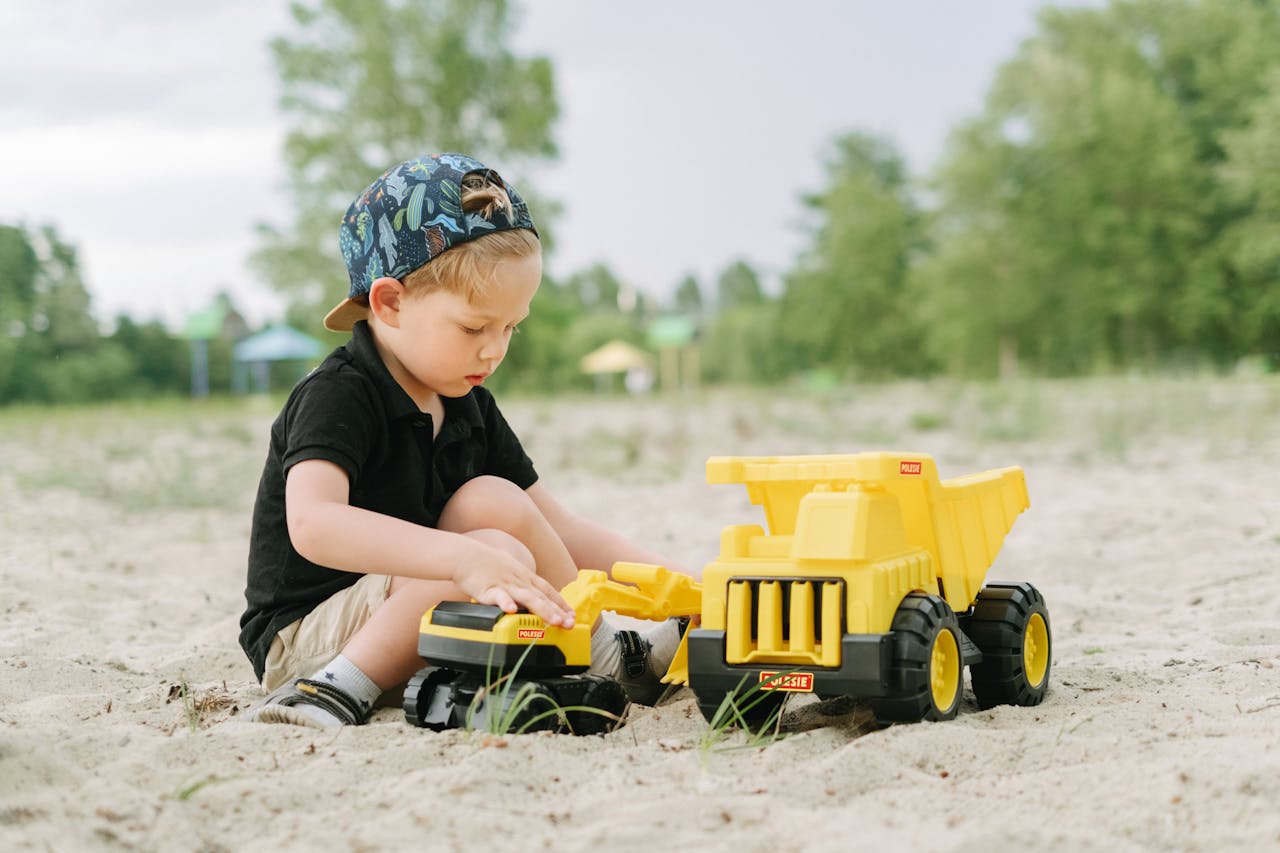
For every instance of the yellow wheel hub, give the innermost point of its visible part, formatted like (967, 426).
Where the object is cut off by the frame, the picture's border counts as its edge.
(944, 670)
(1035, 650)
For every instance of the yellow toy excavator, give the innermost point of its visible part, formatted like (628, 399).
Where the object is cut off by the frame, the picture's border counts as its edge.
(486, 662)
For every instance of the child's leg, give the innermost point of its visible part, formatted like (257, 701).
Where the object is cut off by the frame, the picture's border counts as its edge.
(492, 510)
(491, 503)
(384, 651)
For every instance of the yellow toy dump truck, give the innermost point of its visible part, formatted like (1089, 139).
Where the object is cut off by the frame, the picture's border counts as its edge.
(869, 583)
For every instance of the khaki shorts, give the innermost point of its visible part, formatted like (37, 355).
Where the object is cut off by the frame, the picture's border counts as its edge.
(304, 646)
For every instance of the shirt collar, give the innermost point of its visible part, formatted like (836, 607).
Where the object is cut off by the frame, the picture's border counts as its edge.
(364, 352)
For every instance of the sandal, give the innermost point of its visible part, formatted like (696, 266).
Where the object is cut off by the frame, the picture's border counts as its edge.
(288, 704)
(640, 673)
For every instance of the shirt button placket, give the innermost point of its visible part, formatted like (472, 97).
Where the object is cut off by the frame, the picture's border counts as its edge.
(422, 431)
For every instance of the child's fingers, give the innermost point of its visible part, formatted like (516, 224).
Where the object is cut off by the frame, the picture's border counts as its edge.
(565, 615)
(543, 601)
(547, 608)
(499, 597)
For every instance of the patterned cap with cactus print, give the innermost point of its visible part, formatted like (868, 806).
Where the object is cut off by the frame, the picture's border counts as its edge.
(409, 215)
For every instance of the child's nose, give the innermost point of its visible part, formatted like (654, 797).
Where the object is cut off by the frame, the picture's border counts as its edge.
(494, 348)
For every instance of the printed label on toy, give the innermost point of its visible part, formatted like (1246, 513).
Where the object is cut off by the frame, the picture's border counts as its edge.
(795, 682)
(905, 467)
(530, 633)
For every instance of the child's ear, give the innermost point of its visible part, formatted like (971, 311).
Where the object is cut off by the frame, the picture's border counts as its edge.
(385, 296)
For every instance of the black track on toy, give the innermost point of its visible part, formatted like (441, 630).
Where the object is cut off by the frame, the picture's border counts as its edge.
(1010, 625)
(439, 698)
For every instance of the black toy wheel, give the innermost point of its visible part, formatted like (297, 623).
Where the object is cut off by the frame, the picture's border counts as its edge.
(926, 674)
(419, 691)
(609, 701)
(1010, 626)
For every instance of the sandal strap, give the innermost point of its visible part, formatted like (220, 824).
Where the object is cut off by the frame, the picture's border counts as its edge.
(307, 691)
(634, 653)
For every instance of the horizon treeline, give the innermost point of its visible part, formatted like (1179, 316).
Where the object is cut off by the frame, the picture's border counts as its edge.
(1115, 205)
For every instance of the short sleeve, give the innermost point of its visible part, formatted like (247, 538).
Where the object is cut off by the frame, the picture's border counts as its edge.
(331, 416)
(504, 455)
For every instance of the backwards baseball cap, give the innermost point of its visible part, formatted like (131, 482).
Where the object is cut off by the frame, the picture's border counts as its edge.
(409, 215)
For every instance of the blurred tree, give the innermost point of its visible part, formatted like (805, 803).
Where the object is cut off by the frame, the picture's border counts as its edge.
(740, 341)
(738, 285)
(740, 346)
(367, 84)
(18, 268)
(688, 296)
(1079, 214)
(845, 305)
(534, 358)
(161, 361)
(1251, 244)
(61, 308)
(51, 349)
(596, 289)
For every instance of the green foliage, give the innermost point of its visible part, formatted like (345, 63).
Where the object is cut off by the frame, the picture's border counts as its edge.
(368, 84)
(51, 349)
(561, 329)
(1082, 215)
(1114, 205)
(740, 346)
(741, 709)
(508, 704)
(18, 269)
(688, 296)
(595, 289)
(1250, 245)
(845, 306)
(161, 362)
(738, 285)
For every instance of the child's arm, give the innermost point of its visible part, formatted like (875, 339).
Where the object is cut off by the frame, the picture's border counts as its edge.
(592, 545)
(328, 531)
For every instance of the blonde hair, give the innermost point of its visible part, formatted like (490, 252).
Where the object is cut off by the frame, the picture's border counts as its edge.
(467, 268)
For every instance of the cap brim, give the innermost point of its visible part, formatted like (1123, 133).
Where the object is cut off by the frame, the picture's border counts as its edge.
(345, 315)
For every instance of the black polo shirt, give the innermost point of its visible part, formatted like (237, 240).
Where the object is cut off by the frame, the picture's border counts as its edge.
(350, 411)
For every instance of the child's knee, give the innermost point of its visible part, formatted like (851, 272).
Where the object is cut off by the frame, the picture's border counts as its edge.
(505, 542)
(487, 502)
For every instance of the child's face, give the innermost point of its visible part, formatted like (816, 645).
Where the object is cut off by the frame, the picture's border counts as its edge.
(447, 345)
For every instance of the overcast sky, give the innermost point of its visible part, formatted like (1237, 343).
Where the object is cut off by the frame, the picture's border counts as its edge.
(147, 132)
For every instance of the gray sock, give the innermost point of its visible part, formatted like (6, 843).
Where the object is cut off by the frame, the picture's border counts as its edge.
(347, 677)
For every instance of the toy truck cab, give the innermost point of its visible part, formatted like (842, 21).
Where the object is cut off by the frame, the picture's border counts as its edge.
(867, 583)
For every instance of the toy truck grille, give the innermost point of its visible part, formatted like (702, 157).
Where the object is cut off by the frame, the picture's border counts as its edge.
(796, 621)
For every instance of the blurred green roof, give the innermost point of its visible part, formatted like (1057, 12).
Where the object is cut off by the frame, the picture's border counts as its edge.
(673, 330)
(205, 325)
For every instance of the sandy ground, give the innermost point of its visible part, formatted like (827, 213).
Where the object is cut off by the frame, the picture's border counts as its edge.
(1154, 533)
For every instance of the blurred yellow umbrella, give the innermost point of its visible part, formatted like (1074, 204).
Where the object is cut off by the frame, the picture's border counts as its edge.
(615, 357)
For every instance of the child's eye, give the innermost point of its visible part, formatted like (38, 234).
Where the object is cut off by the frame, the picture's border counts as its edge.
(513, 329)
(471, 331)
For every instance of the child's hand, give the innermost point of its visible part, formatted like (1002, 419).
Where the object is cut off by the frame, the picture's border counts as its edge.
(504, 581)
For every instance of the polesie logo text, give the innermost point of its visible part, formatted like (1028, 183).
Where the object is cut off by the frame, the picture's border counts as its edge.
(530, 633)
(905, 467)
(795, 682)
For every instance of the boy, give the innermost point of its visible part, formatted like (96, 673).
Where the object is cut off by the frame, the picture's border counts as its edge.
(393, 482)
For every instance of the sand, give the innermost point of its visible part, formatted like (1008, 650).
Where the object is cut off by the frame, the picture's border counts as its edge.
(1154, 534)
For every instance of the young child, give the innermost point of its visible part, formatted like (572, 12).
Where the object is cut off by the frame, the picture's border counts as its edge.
(393, 482)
